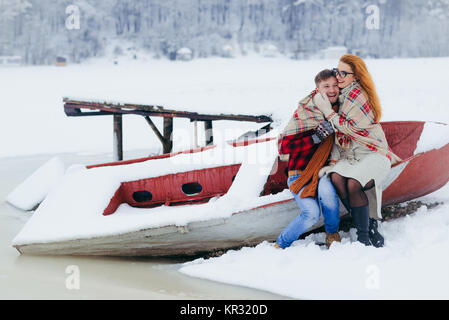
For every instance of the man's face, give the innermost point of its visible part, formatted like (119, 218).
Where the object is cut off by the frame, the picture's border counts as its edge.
(330, 88)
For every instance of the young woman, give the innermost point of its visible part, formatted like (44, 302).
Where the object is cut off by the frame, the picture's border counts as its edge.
(360, 159)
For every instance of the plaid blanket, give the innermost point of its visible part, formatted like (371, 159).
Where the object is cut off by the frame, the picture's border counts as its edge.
(297, 144)
(306, 117)
(300, 147)
(355, 121)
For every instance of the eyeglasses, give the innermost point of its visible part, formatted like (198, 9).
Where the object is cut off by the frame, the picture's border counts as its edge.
(342, 74)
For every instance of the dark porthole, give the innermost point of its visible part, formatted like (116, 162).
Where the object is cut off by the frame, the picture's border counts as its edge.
(142, 196)
(191, 188)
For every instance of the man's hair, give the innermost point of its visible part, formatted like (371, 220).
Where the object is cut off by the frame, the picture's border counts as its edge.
(323, 75)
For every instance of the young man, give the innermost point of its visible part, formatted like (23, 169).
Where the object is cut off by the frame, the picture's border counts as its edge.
(306, 144)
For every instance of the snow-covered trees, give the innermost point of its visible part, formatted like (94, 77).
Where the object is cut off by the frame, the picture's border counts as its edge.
(36, 29)
(11, 23)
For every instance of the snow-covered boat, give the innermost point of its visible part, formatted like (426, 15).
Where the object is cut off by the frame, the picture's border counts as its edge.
(161, 230)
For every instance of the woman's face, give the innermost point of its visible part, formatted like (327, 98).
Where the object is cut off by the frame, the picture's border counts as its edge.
(344, 81)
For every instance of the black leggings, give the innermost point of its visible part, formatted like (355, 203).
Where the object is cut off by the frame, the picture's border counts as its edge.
(352, 189)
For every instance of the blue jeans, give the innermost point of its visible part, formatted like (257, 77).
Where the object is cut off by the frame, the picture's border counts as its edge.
(310, 212)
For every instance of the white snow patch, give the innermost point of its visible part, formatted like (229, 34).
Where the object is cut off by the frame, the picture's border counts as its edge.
(434, 136)
(35, 188)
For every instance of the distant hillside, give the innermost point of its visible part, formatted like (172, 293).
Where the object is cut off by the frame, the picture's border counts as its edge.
(41, 30)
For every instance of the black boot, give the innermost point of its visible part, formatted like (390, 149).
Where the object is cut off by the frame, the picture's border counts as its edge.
(360, 218)
(375, 237)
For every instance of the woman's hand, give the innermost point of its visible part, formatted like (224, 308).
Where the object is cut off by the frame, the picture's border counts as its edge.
(322, 103)
(324, 170)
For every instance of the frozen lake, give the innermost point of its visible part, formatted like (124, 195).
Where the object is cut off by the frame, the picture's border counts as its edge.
(34, 129)
(42, 277)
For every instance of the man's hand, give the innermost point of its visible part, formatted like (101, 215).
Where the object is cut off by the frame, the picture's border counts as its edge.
(322, 103)
(323, 130)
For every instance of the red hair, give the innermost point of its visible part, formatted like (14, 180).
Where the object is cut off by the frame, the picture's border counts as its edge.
(361, 74)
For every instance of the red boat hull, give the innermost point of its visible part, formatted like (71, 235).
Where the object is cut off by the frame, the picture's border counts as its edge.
(424, 174)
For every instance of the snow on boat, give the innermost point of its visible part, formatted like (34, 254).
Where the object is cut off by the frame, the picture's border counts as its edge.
(205, 199)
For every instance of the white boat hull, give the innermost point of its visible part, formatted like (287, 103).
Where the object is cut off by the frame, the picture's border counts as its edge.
(245, 228)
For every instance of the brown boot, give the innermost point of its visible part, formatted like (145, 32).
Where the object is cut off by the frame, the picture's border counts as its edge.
(331, 237)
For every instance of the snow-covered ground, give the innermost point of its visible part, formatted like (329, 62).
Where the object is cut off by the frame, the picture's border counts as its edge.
(33, 119)
(415, 260)
(413, 264)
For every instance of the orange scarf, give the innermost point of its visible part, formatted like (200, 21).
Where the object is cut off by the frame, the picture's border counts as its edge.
(310, 173)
